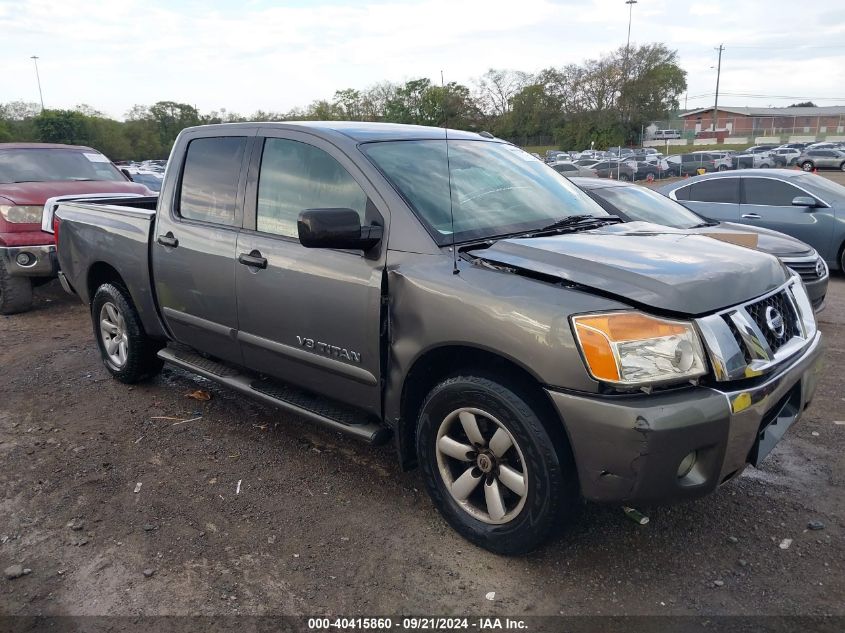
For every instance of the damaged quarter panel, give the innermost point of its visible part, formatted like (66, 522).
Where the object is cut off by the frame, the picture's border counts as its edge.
(521, 319)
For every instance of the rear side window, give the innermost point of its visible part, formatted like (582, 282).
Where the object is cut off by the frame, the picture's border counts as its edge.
(767, 191)
(209, 191)
(716, 190)
(296, 176)
(682, 193)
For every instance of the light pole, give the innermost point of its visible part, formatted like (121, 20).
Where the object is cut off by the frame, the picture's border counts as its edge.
(716, 102)
(34, 58)
(630, 4)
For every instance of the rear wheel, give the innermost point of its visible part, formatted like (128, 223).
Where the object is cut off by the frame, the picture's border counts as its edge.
(491, 467)
(624, 177)
(807, 166)
(15, 292)
(723, 168)
(127, 352)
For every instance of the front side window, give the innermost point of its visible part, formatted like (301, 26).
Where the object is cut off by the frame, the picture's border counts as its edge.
(496, 188)
(770, 192)
(716, 190)
(296, 176)
(209, 191)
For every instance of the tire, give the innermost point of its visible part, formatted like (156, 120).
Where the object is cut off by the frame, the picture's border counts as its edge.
(842, 167)
(807, 166)
(127, 352)
(535, 463)
(723, 168)
(624, 177)
(15, 292)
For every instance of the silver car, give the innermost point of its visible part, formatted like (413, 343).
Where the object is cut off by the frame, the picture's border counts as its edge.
(821, 159)
(567, 168)
(808, 207)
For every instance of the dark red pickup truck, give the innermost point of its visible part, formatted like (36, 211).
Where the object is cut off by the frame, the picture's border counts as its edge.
(30, 175)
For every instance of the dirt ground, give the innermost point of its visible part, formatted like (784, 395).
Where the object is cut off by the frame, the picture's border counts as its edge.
(139, 500)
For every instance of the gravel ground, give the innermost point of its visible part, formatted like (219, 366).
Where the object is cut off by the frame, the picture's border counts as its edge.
(139, 500)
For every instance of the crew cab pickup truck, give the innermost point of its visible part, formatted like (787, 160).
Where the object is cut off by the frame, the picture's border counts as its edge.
(30, 175)
(446, 289)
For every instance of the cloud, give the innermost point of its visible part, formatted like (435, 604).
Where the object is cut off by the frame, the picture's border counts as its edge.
(263, 55)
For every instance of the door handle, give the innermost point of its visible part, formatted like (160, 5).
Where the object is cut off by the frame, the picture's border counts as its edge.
(253, 259)
(751, 216)
(168, 240)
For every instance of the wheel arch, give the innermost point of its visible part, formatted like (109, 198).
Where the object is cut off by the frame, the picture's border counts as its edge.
(101, 272)
(436, 364)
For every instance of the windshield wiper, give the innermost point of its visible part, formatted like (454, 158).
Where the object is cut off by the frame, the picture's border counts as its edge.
(582, 220)
(704, 224)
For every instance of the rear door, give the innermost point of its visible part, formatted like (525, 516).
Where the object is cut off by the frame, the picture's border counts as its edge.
(310, 317)
(195, 240)
(767, 202)
(716, 198)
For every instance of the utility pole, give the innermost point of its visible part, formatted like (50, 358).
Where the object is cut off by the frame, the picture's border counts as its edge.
(34, 58)
(630, 4)
(716, 103)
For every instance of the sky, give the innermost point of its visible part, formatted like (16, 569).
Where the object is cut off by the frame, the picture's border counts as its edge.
(254, 54)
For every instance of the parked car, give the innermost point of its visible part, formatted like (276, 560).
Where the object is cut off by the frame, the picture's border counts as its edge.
(689, 164)
(617, 169)
(660, 135)
(759, 156)
(785, 156)
(522, 346)
(640, 204)
(30, 174)
(812, 159)
(648, 170)
(571, 169)
(808, 207)
(150, 179)
(586, 162)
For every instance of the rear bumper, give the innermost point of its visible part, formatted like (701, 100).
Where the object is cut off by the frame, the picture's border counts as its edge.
(628, 448)
(30, 261)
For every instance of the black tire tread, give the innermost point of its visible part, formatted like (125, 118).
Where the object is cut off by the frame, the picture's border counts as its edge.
(562, 497)
(142, 360)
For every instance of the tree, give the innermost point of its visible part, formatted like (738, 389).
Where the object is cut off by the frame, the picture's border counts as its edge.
(804, 104)
(62, 126)
(496, 88)
(171, 118)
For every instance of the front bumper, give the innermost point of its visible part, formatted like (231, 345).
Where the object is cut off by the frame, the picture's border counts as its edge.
(628, 448)
(40, 260)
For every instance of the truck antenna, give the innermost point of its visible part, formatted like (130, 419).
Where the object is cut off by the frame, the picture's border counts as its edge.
(455, 270)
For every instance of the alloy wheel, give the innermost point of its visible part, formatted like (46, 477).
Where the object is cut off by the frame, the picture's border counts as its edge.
(113, 334)
(481, 465)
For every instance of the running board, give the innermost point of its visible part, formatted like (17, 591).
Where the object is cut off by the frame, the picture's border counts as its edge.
(330, 414)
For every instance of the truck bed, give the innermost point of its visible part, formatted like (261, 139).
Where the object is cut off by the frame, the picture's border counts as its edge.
(100, 238)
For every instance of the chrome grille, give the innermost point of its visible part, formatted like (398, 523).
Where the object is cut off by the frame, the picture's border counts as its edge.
(750, 339)
(806, 269)
(783, 306)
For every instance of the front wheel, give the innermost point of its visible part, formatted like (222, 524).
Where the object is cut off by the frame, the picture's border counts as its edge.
(127, 352)
(624, 177)
(723, 168)
(842, 167)
(807, 166)
(491, 467)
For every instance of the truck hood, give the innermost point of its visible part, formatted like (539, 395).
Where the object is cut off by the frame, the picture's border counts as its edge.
(650, 265)
(37, 193)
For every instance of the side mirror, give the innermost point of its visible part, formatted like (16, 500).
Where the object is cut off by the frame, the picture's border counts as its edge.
(126, 173)
(804, 201)
(336, 228)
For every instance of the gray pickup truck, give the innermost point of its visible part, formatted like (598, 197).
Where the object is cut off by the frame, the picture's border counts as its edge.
(450, 291)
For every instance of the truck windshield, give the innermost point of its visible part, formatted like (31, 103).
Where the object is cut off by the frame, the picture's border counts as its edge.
(497, 189)
(45, 165)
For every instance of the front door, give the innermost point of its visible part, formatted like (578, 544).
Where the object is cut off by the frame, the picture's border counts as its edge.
(311, 317)
(194, 246)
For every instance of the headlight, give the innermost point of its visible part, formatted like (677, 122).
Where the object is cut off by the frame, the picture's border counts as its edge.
(634, 349)
(21, 214)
